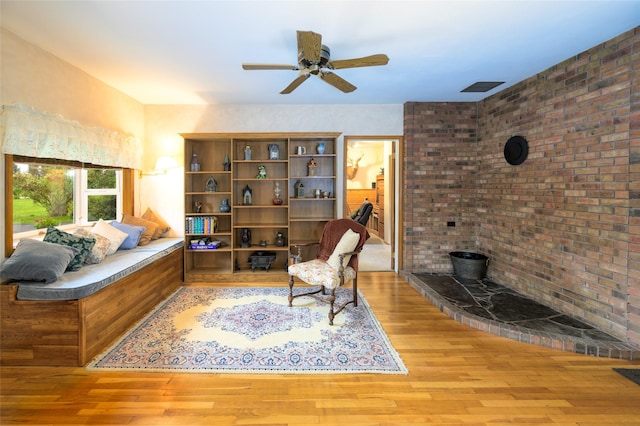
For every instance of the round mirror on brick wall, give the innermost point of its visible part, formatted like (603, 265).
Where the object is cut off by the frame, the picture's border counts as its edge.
(516, 150)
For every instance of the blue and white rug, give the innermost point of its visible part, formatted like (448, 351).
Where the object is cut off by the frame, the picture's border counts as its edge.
(253, 330)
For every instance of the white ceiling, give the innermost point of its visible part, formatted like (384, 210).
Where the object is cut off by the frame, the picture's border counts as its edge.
(190, 52)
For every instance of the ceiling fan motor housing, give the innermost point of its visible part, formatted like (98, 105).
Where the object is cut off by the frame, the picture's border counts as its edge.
(325, 55)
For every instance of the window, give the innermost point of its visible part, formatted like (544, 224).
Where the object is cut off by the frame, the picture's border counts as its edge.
(64, 196)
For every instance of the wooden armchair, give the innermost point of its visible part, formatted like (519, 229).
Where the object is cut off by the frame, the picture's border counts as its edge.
(335, 264)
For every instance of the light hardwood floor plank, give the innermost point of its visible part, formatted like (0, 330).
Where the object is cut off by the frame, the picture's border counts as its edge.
(457, 375)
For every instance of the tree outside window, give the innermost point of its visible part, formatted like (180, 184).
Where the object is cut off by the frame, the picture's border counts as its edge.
(53, 195)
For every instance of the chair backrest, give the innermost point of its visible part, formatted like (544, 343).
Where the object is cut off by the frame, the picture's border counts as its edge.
(362, 214)
(333, 232)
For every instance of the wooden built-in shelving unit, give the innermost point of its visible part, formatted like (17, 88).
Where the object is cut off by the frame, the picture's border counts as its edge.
(300, 217)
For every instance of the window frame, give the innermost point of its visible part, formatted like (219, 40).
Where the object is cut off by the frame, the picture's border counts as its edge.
(126, 185)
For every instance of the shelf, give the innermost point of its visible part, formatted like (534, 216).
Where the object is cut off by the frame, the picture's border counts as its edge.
(257, 247)
(208, 172)
(263, 218)
(269, 179)
(312, 199)
(259, 225)
(219, 249)
(261, 206)
(309, 156)
(254, 161)
(217, 214)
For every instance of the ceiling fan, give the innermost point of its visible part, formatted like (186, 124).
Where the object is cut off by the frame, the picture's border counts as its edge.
(314, 59)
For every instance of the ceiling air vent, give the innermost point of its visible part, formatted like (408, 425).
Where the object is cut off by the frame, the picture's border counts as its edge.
(482, 86)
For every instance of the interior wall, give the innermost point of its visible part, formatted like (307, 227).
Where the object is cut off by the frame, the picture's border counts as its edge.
(558, 227)
(439, 180)
(562, 228)
(31, 76)
(370, 159)
(165, 122)
(34, 77)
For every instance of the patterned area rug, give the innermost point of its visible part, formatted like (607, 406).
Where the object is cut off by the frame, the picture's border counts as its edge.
(253, 330)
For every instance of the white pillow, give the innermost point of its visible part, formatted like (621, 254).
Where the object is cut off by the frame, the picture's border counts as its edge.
(347, 244)
(115, 236)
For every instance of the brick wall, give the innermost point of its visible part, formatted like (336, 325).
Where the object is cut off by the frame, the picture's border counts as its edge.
(439, 183)
(564, 227)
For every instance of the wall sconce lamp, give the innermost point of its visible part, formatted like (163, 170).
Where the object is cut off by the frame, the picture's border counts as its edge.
(163, 165)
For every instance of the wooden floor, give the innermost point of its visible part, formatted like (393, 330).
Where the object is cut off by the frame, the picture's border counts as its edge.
(457, 375)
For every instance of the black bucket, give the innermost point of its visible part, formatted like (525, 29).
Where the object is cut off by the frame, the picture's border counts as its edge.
(469, 265)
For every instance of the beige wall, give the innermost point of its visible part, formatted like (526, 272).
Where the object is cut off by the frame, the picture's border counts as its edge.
(164, 193)
(34, 77)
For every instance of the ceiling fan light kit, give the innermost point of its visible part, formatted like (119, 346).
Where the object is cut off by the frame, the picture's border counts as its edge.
(314, 58)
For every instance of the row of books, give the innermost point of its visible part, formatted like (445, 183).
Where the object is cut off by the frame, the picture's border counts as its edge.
(201, 225)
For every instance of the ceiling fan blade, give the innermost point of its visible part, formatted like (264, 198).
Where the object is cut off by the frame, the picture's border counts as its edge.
(295, 83)
(366, 61)
(309, 45)
(336, 81)
(269, 67)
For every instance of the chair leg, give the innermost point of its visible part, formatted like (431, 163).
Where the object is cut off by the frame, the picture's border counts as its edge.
(290, 290)
(332, 299)
(355, 291)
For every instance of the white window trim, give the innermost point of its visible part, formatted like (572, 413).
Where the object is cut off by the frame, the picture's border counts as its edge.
(81, 205)
(81, 198)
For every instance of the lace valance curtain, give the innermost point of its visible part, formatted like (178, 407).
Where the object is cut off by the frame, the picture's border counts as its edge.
(30, 133)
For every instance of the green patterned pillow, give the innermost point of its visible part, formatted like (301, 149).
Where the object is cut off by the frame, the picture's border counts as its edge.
(84, 245)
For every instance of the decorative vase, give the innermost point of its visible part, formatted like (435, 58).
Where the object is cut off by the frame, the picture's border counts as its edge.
(195, 166)
(276, 194)
(247, 152)
(279, 239)
(320, 148)
(224, 206)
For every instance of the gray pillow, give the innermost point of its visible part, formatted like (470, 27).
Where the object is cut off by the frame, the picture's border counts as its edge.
(35, 260)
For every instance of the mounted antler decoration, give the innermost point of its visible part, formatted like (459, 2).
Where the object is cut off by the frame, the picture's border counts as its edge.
(352, 167)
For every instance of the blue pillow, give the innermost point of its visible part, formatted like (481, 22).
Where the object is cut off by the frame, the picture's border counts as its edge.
(134, 233)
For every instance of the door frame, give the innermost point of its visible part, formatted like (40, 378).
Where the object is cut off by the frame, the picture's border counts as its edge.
(397, 190)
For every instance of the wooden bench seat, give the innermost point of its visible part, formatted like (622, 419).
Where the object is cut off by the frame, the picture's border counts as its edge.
(72, 332)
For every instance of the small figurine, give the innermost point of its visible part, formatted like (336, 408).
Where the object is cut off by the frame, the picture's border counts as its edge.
(245, 238)
(311, 167)
(262, 172)
(227, 163)
(212, 185)
(274, 151)
(198, 206)
(246, 196)
(247, 152)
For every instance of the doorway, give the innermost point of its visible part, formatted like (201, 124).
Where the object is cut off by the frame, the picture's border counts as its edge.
(371, 173)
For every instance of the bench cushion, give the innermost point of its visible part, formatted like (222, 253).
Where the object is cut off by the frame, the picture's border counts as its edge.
(91, 278)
